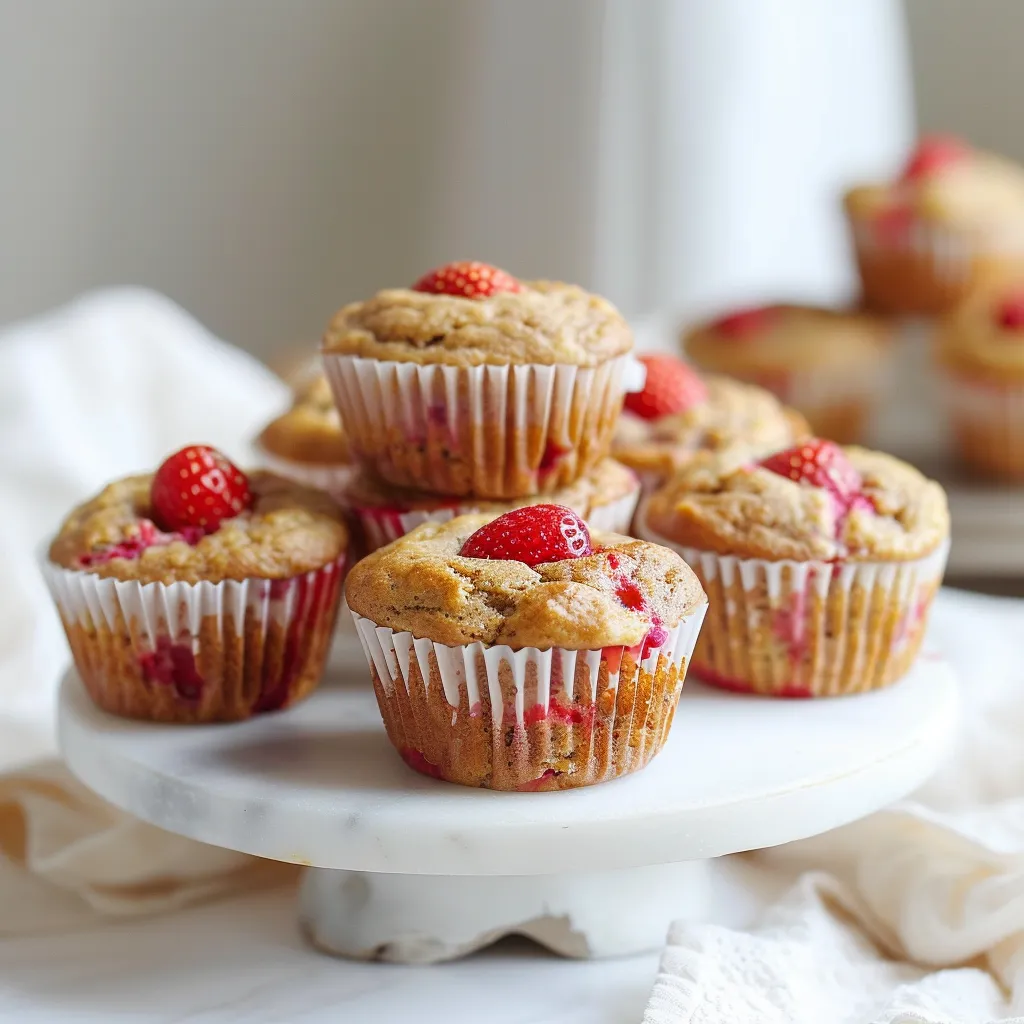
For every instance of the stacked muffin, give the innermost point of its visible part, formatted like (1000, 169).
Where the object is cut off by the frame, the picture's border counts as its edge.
(513, 649)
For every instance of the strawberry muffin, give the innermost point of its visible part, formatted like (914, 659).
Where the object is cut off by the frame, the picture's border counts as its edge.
(199, 594)
(952, 217)
(981, 356)
(473, 383)
(827, 364)
(605, 497)
(306, 444)
(523, 653)
(820, 564)
(679, 413)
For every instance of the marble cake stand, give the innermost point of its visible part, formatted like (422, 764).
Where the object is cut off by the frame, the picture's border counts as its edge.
(408, 869)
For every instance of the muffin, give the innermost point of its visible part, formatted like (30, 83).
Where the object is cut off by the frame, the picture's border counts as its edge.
(197, 594)
(680, 413)
(981, 356)
(605, 497)
(306, 444)
(954, 216)
(820, 565)
(519, 652)
(474, 383)
(827, 364)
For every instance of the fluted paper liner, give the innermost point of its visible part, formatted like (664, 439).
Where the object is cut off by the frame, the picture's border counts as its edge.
(381, 525)
(988, 425)
(928, 266)
(529, 719)
(197, 652)
(809, 629)
(332, 478)
(487, 431)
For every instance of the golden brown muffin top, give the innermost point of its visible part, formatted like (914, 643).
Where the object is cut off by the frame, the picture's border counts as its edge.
(782, 338)
(733, 415)
(310, 431)
(733, 507)
(422, 585)
(289, 530)
(546, 322)
(604, 483)
(974, 190)
(984, 337)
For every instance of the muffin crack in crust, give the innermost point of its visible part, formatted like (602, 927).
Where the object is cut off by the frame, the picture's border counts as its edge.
(422, 585)
(290, 530)
(748, 511)
(546, 323)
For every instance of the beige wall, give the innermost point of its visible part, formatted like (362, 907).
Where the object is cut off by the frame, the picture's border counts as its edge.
(968, 71)
(261, 161)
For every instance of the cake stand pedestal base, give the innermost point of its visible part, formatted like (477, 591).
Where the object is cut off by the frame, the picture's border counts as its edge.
(420, 919)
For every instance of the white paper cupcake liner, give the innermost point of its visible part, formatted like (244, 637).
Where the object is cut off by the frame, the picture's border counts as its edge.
(334, 479)
(525, 719)
(794, 628)
(382, 525)
(489, 431)
(197, 651)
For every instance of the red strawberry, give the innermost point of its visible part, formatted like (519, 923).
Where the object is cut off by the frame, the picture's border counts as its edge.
(934, 153)
(820, 464)
(533, 534)
(671, 387)
(198, 487)
(1010, 313)
(746, 322)
(468, 278)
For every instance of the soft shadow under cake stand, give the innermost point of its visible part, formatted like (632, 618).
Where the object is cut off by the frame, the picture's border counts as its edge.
(405, 868)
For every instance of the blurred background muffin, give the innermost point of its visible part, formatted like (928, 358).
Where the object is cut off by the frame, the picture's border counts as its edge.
(828, 364)
(952, 216)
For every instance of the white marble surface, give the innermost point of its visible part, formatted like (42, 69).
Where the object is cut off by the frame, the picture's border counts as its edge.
(320, 785)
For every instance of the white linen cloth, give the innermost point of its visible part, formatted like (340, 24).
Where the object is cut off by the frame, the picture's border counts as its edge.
(914, 914)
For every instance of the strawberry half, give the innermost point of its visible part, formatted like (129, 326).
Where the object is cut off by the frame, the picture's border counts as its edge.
(469, 279)
(818, 464)
(198, 488)
(671, 387)
(533, 534)
(934, 153)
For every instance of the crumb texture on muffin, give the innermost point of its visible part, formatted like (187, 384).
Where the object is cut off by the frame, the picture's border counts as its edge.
(422, 585)
(606, 482)
(290, 530)
(547, 322)
(717, 504)
(734, 416)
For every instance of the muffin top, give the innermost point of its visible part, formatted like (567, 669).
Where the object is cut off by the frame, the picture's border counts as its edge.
(287, 530)
(780, 338)
(732, 415)
(539, 322)
(310, 431)
(815, 502)
(604, 483)
(984, 337)
(947, 181)
(615, 593)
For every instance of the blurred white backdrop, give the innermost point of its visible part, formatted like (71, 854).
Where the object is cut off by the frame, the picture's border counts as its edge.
(263, 162)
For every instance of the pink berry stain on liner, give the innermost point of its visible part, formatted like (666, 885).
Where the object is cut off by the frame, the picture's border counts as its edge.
(418, 762)
(551, 457)
(541, 783)
(174, 665)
